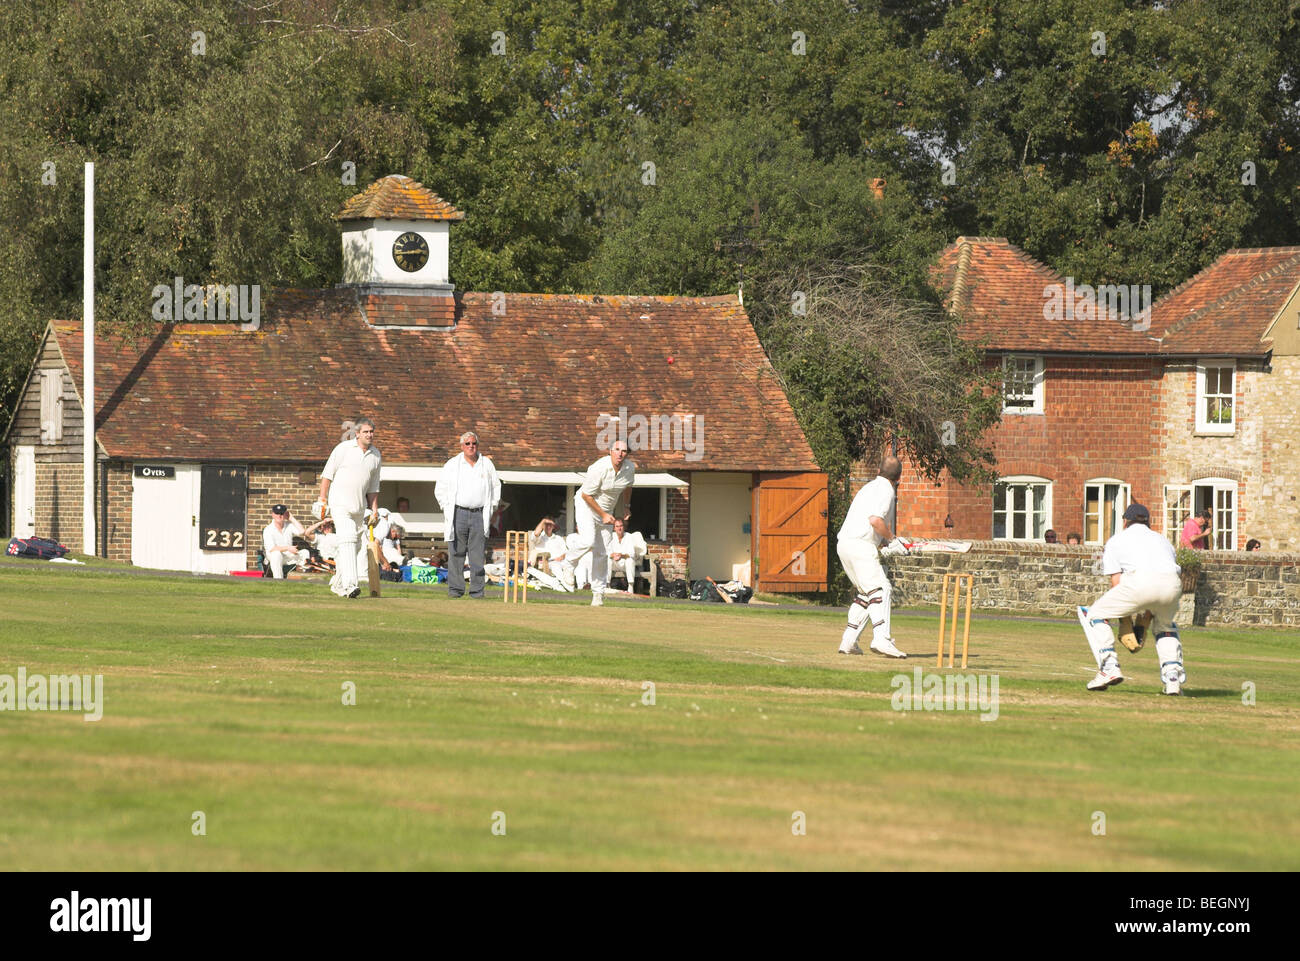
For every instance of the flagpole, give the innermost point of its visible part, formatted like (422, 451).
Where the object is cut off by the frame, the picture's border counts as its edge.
(88, 368)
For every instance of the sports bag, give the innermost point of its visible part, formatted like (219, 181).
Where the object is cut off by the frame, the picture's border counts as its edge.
(39, 547)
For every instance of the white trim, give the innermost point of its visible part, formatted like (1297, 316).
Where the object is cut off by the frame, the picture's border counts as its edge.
(1203, 425)
(429, 475)
(1024, 480)
(1124, 499)
(1173, 524)
(1040, 375)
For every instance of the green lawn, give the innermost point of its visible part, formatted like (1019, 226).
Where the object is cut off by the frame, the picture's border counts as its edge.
(225, 696)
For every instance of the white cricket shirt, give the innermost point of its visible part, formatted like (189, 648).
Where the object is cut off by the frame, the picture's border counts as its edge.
(874, 500)
(272, 538)
(352, 474)
(1138, 548)
(605, 484)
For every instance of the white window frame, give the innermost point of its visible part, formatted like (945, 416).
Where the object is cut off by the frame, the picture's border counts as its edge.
(1225, 535)
(1176, 514)
(1203, 424)
(1224, 531)
(1036, 405)
(1124, 499)
(1025, 480)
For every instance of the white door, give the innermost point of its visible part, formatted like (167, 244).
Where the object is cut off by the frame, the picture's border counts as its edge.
(25, 492)
(164, 520)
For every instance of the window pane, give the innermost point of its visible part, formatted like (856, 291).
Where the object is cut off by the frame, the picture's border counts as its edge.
(1019, 500)
(1018, 526)
(1091, 531)
(999, 524)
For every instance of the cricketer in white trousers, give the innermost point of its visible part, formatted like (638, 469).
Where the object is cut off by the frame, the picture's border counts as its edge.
(861, 560)
(354, 541)
(588, 552)
(1139, 591)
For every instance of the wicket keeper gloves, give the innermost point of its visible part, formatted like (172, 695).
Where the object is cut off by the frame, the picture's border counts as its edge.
(318, 510)
(1133, 630)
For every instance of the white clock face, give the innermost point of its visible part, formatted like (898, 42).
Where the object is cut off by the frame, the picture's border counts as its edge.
(410, 251)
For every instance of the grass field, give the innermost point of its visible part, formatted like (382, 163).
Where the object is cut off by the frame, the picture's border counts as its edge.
(226, 696)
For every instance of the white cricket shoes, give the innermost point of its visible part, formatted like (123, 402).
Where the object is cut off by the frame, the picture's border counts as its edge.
(597, 599)
(851, 650)
(1173, 687)
(1107, 677)
(886, 648)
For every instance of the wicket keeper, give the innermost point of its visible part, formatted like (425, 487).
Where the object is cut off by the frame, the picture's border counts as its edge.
(1143, 576)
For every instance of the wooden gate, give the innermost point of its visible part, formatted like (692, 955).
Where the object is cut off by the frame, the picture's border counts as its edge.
(790, 536)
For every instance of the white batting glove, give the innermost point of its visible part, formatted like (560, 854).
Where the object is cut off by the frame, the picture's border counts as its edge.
(895, 547)
(371, 517)
(318, 510)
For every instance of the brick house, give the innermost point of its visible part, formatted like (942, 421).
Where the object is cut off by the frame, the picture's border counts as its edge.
(202, 427)
(1191, 405)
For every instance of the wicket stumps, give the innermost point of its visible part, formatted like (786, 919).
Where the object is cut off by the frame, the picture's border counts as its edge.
(516, 582)
(958, 581)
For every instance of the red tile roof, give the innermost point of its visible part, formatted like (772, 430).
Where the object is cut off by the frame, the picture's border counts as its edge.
(1001, 292)
(1226, 308)
(531, 382)
(396, 197)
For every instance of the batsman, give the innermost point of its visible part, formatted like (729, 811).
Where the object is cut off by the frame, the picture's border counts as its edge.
(865, 528)
(350, 487)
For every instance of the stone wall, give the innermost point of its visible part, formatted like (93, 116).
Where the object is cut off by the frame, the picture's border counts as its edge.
(1235, 588)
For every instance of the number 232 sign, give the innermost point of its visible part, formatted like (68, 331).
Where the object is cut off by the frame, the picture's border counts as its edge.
(215, 540)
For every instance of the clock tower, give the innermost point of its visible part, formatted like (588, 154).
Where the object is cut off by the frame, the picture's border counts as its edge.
(396, 244)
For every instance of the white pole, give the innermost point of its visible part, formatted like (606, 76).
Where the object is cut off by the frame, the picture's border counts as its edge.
(88, 368)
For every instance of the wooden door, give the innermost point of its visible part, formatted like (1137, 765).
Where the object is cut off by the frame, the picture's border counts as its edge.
(790, 535)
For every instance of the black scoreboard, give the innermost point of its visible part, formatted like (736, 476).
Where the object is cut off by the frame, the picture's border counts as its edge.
(223, 508)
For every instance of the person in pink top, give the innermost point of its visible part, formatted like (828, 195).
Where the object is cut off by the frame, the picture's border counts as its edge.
(1196, 532)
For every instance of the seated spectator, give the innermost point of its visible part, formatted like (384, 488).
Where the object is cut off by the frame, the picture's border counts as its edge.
(1073, 540)
(277, 543)
(1049, 537)
(1196, 532)
(544, 541)
(1253, 545)
(391, 555)
(323, 540)
(625, 553)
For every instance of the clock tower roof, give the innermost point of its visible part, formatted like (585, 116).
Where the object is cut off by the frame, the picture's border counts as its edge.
(396, 197)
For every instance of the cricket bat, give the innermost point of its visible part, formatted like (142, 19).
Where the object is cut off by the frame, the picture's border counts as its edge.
(372, 564)
(721, 593)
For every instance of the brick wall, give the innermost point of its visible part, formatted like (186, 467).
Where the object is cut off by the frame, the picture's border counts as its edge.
(1262, 455)
(674, 554)
(282, 485)
(1235, 588)
(58, 502)
(1100, 418)
(119, 511)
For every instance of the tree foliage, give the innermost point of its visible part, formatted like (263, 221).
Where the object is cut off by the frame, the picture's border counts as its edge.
(1122, 142)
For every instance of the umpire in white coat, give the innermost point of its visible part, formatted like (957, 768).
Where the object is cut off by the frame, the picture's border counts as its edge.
(1144, 576)
(468, 491)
